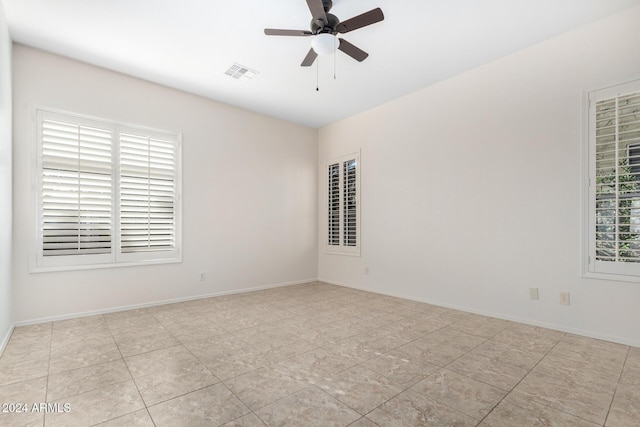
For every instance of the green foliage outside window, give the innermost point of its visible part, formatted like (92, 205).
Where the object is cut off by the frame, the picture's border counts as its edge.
(618, 221)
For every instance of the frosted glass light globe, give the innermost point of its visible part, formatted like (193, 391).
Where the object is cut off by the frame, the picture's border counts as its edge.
(324, 44)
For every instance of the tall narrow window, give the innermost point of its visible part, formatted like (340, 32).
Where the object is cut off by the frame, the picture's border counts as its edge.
(614, 236)
(343, 207)
(107, 194)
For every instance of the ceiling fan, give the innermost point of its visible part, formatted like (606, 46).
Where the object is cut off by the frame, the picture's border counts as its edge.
(325, 27)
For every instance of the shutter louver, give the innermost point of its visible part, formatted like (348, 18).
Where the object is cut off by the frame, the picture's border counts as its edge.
(147, 193)
(349, 203)
(334, 205)
(617, 127)
(76, 189)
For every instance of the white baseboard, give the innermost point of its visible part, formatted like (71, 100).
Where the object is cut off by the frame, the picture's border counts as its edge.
(157, 303)
(526, 321)
(5, 340)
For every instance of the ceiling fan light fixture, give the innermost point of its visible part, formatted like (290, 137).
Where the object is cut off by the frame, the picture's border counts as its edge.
(324, 44)
(325, 27)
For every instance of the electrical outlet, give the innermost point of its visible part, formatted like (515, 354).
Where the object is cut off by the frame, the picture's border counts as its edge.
(366, 271)
(564, 298)
(534, 294)
(203, 276)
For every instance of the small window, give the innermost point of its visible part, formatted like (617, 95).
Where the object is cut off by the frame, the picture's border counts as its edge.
(343, 205)
(614, 181)
(107, 194)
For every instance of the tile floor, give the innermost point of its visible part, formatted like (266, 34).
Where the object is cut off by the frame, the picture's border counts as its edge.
(312, 355)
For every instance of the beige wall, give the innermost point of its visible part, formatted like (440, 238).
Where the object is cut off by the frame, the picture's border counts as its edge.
(471, 188)
(6, 316)
(249, 192)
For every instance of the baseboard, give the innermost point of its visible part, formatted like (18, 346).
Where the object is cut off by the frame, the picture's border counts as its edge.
(5, 340)
(526, 321)
(157, 303)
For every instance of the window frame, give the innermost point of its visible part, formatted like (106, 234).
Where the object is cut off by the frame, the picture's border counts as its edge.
(116, 258)
(341, 248)
(591, 268)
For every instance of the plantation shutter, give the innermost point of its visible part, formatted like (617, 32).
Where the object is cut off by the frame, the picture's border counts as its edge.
(343, 210)
(76, 180)
(349, 204)
(106, 194)
(616, 133)
(147, 193)
(333, 231)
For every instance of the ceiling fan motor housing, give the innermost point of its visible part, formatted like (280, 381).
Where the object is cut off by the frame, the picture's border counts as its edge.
(318, 26)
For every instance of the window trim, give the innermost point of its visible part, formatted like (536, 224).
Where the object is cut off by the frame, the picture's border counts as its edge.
(625, 272)
(342, 249)
(39, 263)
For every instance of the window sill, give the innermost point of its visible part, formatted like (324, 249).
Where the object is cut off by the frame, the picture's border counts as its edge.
(354, 254)
(611, 277)
(36, 270)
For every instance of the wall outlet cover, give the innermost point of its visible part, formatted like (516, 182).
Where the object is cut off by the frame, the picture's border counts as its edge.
(534, 294)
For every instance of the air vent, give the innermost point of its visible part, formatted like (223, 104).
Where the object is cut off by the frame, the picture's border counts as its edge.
(240, 72)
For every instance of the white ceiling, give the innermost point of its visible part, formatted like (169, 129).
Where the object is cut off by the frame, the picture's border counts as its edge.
(190, 44)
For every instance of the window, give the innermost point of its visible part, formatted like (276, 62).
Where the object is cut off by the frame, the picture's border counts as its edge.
(614, 181)
(343, 205)
(107, 194)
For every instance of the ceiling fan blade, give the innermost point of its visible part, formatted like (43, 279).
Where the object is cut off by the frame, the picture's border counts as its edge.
(275, 32)
(309, 59)
(317, 10)
(367, 18)
(353, 51)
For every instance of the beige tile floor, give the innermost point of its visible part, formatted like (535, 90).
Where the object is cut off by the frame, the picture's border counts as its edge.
(313, 355)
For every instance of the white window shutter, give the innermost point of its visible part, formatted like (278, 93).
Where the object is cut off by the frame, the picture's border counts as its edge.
(350, 203)
(147, 193)
(333, 211)
(76, 195)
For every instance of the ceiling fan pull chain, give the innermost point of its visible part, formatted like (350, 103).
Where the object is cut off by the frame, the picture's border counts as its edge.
(317, 74)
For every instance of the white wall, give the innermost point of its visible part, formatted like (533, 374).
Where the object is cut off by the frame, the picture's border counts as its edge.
(471, 188)
(249, 191)
(6, 316)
